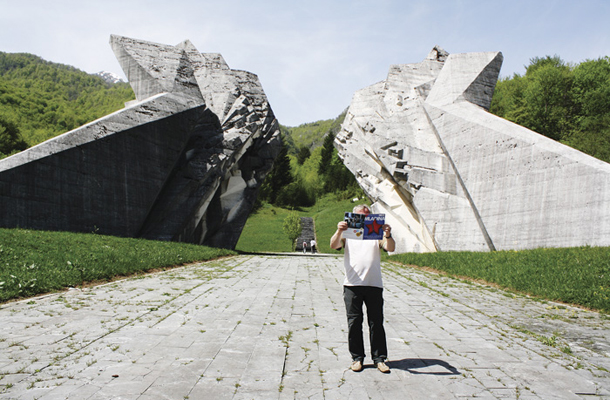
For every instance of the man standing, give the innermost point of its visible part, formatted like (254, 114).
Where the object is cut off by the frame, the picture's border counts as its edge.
(363, 285)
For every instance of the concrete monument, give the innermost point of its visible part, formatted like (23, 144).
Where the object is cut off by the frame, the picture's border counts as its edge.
(451, 176)
(182, 162)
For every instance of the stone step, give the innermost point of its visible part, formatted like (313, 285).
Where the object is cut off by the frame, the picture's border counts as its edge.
(307, 234)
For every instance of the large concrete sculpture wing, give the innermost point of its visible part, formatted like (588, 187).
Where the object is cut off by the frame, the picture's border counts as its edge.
(182, 162)
(451, 176)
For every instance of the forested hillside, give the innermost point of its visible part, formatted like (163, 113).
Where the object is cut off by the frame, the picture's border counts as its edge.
(310, 135)
(308, 167)
(41, 99)
(565, 102)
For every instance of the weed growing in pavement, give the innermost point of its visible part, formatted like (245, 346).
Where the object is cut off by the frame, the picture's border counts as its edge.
(285, 339)
(332, 350)
(552, 341)
(549, 341)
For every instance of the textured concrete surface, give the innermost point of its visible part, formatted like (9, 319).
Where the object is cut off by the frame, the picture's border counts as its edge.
(451, 176)
(273, 327)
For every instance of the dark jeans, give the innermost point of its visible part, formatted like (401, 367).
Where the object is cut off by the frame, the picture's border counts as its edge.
(372, 297)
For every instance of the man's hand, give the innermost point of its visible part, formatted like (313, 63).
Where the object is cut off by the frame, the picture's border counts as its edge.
(388, 241)
(387, 230)
(335, 241)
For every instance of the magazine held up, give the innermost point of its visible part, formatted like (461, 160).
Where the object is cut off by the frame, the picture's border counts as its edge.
(364, 227)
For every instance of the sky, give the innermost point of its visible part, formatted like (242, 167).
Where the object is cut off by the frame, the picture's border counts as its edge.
(310, 56)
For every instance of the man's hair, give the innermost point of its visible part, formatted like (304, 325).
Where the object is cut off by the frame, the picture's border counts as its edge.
(359, 208)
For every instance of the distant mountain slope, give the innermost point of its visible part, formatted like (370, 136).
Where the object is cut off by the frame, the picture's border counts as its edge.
(310, 135)
(44, 99)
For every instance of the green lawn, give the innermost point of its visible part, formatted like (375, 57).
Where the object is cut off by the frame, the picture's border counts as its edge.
(579, 275)
(34, 262)
(263, 230)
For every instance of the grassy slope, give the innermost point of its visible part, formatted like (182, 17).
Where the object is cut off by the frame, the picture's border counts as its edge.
(579, 275)
(263, 231)
(34, 262)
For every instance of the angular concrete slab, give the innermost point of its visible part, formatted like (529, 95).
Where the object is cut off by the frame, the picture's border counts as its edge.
(182, 162)
(451, 176)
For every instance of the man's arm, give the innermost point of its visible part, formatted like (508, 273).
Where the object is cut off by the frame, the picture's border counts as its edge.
(336, 242)
(388, 242)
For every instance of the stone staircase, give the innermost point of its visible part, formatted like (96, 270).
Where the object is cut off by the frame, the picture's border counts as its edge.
(307, 234)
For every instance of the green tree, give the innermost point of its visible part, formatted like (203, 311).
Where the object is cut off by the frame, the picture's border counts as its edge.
(303, 154)
(309, 176)
(10, 139)
(591, 93)
(335, 175)
(567, 103)
(339, 179)
(278, 178)
(295, 195)
(292, 228)
(544, 62)
(550, 108)
(287, 137)
(508, 100)
(328, 148)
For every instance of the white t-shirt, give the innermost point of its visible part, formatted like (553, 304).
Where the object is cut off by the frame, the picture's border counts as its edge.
(362, 260)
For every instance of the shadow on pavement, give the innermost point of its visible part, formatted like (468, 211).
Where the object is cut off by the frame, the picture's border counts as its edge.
(420, 366)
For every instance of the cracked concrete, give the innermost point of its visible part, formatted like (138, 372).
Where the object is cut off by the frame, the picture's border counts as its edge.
(262, 327)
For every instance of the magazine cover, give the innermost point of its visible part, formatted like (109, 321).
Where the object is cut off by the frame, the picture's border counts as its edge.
(364, 227)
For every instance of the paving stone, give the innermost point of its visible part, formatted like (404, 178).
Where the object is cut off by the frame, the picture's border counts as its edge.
(274, 327)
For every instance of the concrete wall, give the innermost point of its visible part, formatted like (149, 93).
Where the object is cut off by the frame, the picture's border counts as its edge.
(451, 176)
(183, 162)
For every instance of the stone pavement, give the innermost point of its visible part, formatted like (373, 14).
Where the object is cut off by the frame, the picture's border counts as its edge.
(273, 327)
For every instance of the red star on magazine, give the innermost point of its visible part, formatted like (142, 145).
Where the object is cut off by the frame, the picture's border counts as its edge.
(364, 227)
